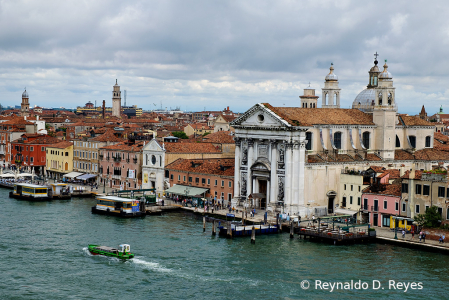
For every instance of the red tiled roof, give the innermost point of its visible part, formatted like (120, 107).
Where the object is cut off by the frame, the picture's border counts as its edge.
(377, 169)
(220, 137)
(125, 147)
(388, 189)
(414, 121)
(191, 148)
(394, 174)
(61, 145)
(219, 166)
(108, 136)
(297, 116)
(418, 175)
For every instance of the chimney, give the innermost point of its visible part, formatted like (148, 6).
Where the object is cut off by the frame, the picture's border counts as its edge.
(104, 107)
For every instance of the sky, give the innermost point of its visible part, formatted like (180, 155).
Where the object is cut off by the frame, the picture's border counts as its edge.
(200, 55)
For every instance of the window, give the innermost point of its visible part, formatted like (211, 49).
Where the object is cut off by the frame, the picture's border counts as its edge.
(197, 180)
(398, 142)
(447, 193)
(385, 204)
(222, 183)
(309, 141)
(396, 207)
(428, 141)
(441, 191)
(343, 202)
(350, 199)
(171, 176)
(216, 182)
(222, 195)
(352, 187)
(358, 201)
(184, 179)
(179, 177)
(230, 183)
(440, 211)
(337, 140)
(42, 149)
(418, 189)
(190, 179)
(208, 180)
(229, 197)
(32, 148)
(447, 214)
(203, 180)
(417, 209)
(344, 187)
(403, 207)
(426, 190)
(405, 187)
(426, 207)
(412, 140)
(359, 188)
(365, 138)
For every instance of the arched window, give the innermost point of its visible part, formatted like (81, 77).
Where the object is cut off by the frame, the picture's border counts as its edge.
(390, 98)
(305, 104)
(335, 99)
(428, 141)
(380, 98)
(337, 140)
(412, 140)
(398, 142)
(325, 99)
(365, 139)
(309, 141)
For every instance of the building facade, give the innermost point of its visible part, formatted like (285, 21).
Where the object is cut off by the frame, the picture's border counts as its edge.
(59, 159)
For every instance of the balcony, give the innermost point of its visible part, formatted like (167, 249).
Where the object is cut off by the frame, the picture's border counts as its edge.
(117, 177)
(127, 160)
(100, 156)
(107, 158)
(375, 208)
(135, 160)
(117, 158)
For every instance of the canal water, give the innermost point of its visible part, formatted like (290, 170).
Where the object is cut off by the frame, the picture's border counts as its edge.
(43, 256)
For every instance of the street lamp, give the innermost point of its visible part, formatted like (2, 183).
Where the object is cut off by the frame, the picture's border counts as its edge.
(395, 229)
(104, 186)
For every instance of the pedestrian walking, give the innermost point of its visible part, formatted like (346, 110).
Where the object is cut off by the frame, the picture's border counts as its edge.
(413, 235)
(442, 238)
(423, 237)
(420, 236)
(403, 233)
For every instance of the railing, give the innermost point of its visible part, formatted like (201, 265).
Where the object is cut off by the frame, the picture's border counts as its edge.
(374, 208)
(107, 158)
(127, 160)
(135, 160)
(116, 176)
(117, 158)
(100, 156)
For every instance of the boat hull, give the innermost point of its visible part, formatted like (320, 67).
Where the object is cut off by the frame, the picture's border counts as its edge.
(92, 249)
(28, 198)
(138, 214)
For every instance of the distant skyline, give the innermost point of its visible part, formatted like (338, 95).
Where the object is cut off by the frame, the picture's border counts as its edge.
(209, 54)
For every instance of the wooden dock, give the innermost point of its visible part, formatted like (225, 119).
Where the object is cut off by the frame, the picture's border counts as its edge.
(336, 237)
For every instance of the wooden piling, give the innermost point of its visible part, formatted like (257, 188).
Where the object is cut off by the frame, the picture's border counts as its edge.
(229, 230)
(291, 229)
(213, 228)
(204, 224)
(280, 226)
(253, 235)
(243, 217)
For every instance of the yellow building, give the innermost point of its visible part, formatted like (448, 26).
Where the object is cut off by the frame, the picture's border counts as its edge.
(59, 159)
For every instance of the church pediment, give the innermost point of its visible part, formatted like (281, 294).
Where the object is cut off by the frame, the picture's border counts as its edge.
(153, 146)
(260, 116)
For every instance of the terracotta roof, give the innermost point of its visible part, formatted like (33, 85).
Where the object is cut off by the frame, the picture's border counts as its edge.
(108, 136)
(394, 174)
(228, 118)
(377, 169)
(373, 157)
(17, 121)
(424, 154)
(297, 116)
(403, 155)
(200, 126)
(61, 145)
(40, 139)
(418, 175)
(125, 147)
(387, 189)
(414, 121)
(220, 137)
(314, 159)
(191, 148)
(221, 167)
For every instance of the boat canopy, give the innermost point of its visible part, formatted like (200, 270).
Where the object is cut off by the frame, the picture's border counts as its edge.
(186, 190)
(7, 176)
(35, 186)
(115, 199)
(72, 174)
(24, 174)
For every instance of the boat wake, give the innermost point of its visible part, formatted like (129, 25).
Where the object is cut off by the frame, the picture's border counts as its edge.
(150, 265)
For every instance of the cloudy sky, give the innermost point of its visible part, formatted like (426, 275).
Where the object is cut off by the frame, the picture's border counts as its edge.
(212, 54)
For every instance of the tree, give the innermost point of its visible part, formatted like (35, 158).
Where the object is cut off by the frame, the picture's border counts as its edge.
(431, 218)
(206, 133)
(180, 134)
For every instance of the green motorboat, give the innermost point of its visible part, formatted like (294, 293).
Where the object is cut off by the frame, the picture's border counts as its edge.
(122, 253)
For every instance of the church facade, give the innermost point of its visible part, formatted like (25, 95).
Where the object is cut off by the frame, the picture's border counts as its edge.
(290, 158)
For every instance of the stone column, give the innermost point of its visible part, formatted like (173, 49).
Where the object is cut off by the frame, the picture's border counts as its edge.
(288, 176)
(295, 175)
(273, 175)
(301, 170)
(249, 181)
(237, 180)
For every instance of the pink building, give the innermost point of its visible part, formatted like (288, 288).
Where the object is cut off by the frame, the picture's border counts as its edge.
(121, 165)
(379, 202)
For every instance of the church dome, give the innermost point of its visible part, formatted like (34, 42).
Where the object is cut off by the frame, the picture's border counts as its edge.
(331, 76)
(365, 100)
(25, 94)
(385, 74)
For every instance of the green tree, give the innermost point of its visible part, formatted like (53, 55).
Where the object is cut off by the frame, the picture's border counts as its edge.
(206, 133)
(430, 219)
(180, 134)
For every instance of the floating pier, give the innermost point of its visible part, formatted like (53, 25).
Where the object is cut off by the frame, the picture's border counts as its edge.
(233, 229)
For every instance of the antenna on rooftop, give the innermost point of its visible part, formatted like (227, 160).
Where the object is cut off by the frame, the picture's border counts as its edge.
(125, 97)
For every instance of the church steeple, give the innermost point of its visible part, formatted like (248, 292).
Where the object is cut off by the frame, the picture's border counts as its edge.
(374, 73)
(331, 91)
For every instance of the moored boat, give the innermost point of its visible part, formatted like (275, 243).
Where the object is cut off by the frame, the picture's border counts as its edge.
(30, 192)
(120, 207)
(122, 253)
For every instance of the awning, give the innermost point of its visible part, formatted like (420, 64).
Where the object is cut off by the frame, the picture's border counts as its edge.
(7, 176)
(186, 190)
(345, 211)
(72, 174)
(24, 174)
(86, 176)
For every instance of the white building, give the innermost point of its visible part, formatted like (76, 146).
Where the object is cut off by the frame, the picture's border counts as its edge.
(290, 158)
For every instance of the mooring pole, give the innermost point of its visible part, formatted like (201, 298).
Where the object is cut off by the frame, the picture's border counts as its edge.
(291, 229)
(243, 217)
(213, 228)
(204, 224)
(253, 235)
(229, 233)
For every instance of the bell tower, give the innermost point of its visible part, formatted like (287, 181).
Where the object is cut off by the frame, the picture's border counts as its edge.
(384, 111)
(116, 100)
(25, 106)
(331, 91)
